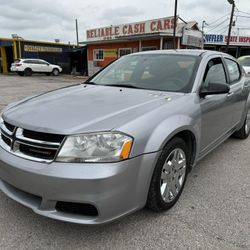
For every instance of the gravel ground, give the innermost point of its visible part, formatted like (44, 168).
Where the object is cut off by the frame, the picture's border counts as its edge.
(212, 213)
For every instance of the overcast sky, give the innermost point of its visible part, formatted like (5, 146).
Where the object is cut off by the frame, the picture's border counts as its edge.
(47, 19)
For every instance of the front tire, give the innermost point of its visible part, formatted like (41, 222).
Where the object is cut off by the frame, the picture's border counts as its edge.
(169, 176)
(55, 72)
(244, 131)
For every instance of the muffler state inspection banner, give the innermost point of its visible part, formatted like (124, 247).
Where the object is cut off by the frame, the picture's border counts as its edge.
(165, 25)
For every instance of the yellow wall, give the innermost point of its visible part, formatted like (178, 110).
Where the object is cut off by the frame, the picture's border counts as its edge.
(4, 60)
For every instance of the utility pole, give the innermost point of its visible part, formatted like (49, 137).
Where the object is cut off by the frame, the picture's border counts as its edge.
(77, 37)
(175, 23)
(230, 24)
(203, 25)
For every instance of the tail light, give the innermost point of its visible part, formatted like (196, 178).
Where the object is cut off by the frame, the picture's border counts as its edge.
(18, 64)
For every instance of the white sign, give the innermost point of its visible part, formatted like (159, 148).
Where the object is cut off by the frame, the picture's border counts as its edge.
(222, 40)
(192, 38)
(165, 25)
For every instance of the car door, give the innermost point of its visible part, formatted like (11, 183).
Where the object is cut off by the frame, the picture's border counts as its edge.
(45, 66)
(35, 65)
(238, 89)
(216, 113)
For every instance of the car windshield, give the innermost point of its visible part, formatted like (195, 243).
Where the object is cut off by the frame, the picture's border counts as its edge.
(172, 73)
(244, 61)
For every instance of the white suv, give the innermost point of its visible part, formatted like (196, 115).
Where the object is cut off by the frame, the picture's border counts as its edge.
(245, 62)
(28, 66)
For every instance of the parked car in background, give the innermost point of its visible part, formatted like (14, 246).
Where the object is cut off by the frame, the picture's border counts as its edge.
(29, 66)
(245, 62)
(126, 138)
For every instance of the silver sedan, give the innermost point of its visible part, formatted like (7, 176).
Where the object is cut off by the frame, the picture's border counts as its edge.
(125, 139)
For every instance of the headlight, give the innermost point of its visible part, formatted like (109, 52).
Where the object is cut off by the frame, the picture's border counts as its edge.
(1, 122)
(1, 119)
(97, 147)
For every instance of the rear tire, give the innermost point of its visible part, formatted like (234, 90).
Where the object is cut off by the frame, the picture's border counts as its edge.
(28, 72)
(244, 131)
(55, 72)
(169, 176)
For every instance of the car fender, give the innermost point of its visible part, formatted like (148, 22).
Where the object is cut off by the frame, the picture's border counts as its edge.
(157, 140)
(170, 127)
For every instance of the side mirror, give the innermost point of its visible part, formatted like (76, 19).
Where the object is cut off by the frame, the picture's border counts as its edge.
(215, 89)
(47, 64)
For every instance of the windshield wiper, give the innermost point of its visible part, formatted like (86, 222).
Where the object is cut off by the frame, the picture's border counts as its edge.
(90, 83)
(114, 85)
(122, 85)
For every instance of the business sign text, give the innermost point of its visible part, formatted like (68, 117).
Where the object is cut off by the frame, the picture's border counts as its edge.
(222, 39)
(32, 48)
(148, 27)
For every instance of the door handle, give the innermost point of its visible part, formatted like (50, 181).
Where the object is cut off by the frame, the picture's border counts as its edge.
(230, 94)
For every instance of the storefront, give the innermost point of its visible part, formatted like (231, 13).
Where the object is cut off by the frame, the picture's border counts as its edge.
(239, 45)
(106, 44)
(55, 53)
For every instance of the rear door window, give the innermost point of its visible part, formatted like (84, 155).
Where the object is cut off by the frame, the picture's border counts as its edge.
(30, 61)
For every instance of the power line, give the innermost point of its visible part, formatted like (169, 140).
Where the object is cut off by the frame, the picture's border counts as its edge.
(218, 25)
(224, 29)
(209, 24)
(242, 16)
(243, 12)
(243, 28)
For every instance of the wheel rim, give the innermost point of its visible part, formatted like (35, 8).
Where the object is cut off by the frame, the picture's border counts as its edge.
(173, 175)
(247, 123)
(28, 71)
(56, 72)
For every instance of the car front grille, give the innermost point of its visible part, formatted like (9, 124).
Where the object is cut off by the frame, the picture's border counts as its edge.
(32, 145)
(6, 140)
(9, 126)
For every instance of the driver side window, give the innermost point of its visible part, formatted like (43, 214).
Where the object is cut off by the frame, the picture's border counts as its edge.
(214, 73)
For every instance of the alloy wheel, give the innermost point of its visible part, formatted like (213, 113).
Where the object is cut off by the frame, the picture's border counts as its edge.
(173, 175)
(247, 123)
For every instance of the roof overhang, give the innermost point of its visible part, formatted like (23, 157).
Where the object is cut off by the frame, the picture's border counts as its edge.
(132, 38)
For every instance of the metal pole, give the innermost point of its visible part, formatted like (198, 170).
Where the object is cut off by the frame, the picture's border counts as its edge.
(230, 25)
(203, 25)
(175, 23)
(77, 37)
(161, 43)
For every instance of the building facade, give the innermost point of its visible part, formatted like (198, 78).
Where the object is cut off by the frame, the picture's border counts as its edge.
(55, 53)
(104, 45)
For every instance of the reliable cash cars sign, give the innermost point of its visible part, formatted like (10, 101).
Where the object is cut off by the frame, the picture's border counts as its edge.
(165, 25)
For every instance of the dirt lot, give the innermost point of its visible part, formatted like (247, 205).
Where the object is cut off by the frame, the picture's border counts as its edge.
(212, 213)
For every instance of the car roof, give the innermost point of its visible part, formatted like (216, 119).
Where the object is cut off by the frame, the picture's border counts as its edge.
(191, 52)
(30, 59)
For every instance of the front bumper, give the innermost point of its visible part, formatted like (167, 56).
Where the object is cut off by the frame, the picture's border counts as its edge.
(115, 189)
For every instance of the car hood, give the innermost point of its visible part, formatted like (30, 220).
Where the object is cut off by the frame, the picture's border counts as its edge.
(247, 69)
(85, 108)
